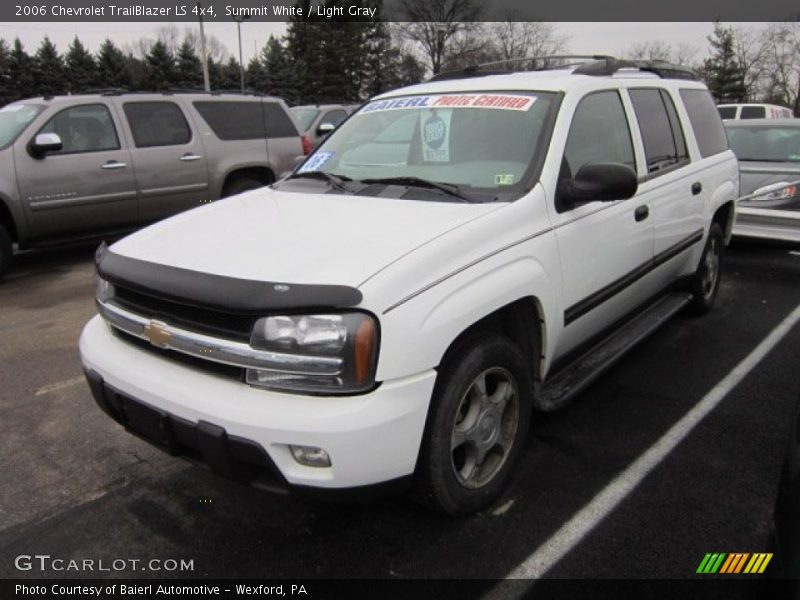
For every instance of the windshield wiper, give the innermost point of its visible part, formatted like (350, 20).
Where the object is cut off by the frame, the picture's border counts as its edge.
(336, 181)
(447, 188)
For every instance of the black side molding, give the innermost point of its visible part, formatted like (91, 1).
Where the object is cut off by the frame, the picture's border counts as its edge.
(594, 300)
(217, 292)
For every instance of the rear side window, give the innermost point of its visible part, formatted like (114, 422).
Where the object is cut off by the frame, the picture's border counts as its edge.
(707, 126)
(233, 120)
(664, 145)
(753, 112)
(279, 124)
(157, 124)
(727, 112)
(599, 133)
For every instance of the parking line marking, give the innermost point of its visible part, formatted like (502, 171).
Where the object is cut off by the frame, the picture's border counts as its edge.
(604, 503)
(61, 385)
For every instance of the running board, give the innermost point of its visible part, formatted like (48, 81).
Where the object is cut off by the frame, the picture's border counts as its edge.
(564, 385)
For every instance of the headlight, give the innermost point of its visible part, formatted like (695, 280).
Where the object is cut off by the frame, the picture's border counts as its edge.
(103, 291)
(776, 191)
(326, 353)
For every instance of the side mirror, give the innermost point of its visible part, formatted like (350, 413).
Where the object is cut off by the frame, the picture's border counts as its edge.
(44, 143)
(604, 182)
(325, 128)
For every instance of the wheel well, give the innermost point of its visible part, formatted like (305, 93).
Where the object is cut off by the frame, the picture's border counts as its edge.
(521, 321)
(262, 174)
(724, 218)
(7, 221)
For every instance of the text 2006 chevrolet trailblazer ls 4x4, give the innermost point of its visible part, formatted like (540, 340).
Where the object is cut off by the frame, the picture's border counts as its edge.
(455, 256)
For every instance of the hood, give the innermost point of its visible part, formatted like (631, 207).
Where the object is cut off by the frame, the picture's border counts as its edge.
(269, 235)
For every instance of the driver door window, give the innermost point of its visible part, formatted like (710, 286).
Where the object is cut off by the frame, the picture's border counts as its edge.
(599, 133)
(84, 128)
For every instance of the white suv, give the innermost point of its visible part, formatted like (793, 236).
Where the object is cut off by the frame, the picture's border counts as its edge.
(457, 254)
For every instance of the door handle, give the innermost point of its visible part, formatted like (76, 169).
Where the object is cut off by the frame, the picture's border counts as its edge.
(190, 157)
(641, 213)
(113, 164)
(697, 187)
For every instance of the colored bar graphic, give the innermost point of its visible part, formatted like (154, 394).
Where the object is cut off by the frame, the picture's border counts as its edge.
(734, 562)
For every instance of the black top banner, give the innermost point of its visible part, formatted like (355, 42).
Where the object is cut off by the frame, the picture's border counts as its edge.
(395, 10)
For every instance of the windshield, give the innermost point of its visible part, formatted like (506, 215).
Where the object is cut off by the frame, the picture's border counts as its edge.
(769, 144)
(305, 116)
(485, 141)
(14, 118)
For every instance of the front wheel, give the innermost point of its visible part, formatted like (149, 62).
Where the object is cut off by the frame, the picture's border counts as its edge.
(705, 282)
(477, 425)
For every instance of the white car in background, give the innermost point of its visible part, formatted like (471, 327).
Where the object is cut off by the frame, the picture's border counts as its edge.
(753, 111)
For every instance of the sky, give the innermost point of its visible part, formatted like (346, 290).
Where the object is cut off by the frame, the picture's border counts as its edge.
(584, 38)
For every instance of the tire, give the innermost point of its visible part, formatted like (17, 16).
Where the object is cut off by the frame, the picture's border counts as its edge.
(241, 184)
(705, 282)
(5, 250)
(470, 444)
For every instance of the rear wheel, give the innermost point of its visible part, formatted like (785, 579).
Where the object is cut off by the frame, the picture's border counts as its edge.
(5, 250)
(479, 418)
(705, 283)
(241, 184)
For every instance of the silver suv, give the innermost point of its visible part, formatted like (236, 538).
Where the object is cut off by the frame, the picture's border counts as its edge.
(74, 167)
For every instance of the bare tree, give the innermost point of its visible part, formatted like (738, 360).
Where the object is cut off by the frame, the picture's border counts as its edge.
(753, 51)
(513, 38)
(443, 30)
(782, 82)
(682, 54)
(172, 37)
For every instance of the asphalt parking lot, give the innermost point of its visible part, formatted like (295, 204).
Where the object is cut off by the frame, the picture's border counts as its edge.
(75, 485)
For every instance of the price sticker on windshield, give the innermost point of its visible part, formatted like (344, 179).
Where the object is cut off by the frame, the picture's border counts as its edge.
(486, 101)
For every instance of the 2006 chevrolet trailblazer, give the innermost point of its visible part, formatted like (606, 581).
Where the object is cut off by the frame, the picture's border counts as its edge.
(457, 254)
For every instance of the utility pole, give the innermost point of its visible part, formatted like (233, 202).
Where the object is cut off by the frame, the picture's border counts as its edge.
(203, 54)
(239, 20)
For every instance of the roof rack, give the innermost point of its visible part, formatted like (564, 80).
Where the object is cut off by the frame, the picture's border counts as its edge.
(598, 65)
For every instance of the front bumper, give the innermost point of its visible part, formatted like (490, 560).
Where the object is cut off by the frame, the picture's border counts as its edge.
(767, 223)
(244, 432)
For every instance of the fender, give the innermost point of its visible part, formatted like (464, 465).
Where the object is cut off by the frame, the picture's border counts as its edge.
(435, 293)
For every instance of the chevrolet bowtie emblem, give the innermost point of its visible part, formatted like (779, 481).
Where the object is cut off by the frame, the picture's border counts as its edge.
(158, 335)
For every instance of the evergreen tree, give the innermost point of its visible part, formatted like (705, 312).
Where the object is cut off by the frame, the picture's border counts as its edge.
(161, 71)
(6, 89)
(189, 66)
(139, 74)
(330, 60)
(722, 71)
(280, 74)
(229, 76)
(255, 77)
(81, 68)
(20, 72)
(214, 74)
(112, 67)
(48, 70)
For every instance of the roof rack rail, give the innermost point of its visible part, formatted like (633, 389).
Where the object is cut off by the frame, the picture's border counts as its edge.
(594, 64)
(662, 68)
